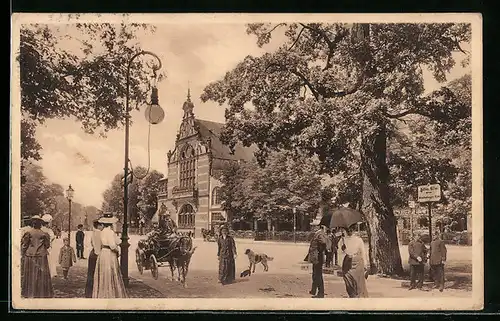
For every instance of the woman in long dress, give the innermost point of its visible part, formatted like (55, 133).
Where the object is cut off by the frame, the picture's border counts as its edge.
(108, 282)
(354, 264)
(95, 242)
(36, 280)
(47, 218)
(226, 254)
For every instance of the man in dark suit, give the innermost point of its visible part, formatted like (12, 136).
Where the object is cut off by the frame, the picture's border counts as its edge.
(417, 258)
(316, 256)
(80, 241)
(437, 258)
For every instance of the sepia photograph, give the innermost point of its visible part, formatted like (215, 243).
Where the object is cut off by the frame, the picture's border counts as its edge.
(246, 162)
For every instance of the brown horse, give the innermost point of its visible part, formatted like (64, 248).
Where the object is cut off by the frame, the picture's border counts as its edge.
(180, 258)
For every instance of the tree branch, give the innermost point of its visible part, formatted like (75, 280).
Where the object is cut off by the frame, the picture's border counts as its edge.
(402, 114)
(297, 39)
(298, 74)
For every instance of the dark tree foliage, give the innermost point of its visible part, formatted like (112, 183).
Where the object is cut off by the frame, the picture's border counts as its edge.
(340, 92)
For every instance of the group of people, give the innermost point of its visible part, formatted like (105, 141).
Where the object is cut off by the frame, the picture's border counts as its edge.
(38, 264)
(324, 243)
(418, 257)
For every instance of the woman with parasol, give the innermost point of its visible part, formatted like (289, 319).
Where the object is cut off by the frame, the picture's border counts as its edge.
(354, 266)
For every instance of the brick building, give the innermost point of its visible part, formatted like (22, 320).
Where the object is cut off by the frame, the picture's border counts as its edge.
(191, 190)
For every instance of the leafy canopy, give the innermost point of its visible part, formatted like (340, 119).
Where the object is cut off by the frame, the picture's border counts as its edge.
(78, 71)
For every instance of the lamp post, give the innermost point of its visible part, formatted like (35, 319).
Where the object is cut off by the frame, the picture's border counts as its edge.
(294, 210)
(69, 195)
(154, 114)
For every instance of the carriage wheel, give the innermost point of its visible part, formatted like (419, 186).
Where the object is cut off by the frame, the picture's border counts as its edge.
(139, 260)
(154, 267)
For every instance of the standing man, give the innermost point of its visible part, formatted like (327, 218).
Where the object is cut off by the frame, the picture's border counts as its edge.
(437, 258)
(329, 249)
(316, 256)
(417, 257)
(80, 241)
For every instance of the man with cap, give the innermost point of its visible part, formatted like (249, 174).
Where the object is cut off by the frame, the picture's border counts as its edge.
(417, 257)
(80, 241)
(437, 258)
(316, 256)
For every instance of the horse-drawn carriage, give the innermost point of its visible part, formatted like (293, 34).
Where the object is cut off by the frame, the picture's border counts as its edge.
(159, 251)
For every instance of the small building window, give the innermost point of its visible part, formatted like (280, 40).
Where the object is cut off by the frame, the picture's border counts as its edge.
(187, 216)
(216, 196)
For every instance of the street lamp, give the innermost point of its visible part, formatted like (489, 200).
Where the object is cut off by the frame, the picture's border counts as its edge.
(154, 115)
(411, 205)
(69, 195)
(294, 210)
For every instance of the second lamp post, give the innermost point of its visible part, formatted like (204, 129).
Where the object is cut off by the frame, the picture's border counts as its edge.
(69, 196)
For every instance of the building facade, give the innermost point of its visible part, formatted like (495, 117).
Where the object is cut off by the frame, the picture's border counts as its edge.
(191, 191)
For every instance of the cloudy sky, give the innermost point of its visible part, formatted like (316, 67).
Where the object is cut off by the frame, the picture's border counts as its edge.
(194, 54)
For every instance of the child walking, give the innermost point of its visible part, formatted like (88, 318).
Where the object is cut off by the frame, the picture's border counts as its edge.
(66, 257)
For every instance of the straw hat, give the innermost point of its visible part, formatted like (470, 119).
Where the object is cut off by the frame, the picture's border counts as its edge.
(107, 218)
(36, 218)
(47, 218)
(223, 227)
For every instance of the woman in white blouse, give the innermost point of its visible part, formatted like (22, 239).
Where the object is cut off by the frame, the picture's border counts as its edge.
(355, 264)
(108, 282)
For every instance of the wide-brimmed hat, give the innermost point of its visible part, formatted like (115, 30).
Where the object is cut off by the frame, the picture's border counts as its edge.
(47, 218)
(107, 218)
(36, 218)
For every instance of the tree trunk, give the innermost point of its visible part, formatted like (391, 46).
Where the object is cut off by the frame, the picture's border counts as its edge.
(384, 252)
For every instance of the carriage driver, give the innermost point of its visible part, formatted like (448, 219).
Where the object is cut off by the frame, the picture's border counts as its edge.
(169, 224)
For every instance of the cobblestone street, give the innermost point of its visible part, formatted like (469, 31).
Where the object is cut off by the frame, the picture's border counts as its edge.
(287, 276)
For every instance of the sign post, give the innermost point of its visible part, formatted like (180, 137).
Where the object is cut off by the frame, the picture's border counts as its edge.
(411, 205)
(428, 194)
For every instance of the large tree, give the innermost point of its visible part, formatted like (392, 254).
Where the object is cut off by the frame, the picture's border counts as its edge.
(78, 70)
(338, 91)
(143, 194)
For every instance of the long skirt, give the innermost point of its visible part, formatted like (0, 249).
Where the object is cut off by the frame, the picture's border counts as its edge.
(36, 281)
(354, 277)
(108, 282)
(52, 264)
(227, 270)
(90, 274)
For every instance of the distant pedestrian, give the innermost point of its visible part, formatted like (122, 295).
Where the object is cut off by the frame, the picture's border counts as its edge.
(329, 249)
(36, 280)
(95, 242)
(335, 247)
(66, 257)
(226, 254)
(437, 258)
(80, 241)
(316, 256)
(417, 258)
(108, 281)
(355, 264)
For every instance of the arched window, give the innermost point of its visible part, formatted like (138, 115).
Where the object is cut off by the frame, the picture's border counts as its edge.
(187, 167)
(186, 216)
(216, 196)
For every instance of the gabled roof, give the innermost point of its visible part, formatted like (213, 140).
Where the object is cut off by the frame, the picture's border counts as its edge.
(219, 150)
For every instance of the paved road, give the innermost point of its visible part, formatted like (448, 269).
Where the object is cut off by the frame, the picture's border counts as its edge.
(284, 279)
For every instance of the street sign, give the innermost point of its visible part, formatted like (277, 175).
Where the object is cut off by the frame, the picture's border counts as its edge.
(429, 193)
